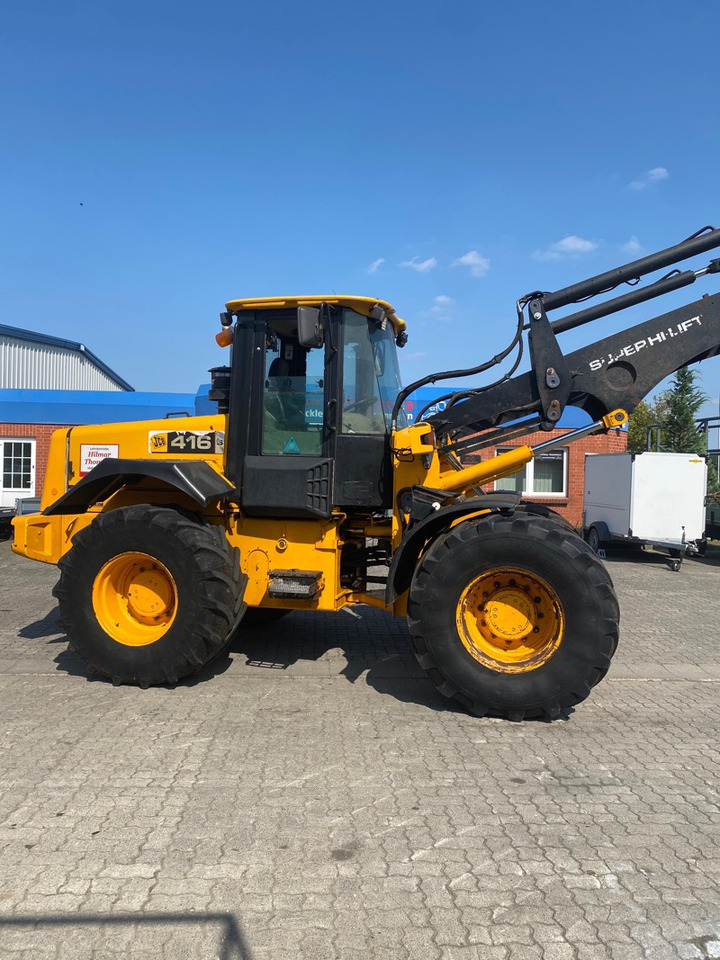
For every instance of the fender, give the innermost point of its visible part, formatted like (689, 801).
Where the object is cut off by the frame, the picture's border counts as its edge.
(195, 478)
(405, 557)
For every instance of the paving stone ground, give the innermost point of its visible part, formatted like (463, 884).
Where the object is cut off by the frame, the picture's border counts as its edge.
(312, 796)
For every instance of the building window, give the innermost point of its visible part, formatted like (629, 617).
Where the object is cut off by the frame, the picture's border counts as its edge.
(545, 476)
(17, 465)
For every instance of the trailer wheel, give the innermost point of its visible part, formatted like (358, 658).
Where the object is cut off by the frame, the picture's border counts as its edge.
(593, 539)
(147, 595)
(513, 616)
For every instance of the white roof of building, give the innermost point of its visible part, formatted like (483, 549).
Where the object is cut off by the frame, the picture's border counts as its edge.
(30, 360)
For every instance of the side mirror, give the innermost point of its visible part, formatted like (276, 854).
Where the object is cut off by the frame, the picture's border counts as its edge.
(310, 330)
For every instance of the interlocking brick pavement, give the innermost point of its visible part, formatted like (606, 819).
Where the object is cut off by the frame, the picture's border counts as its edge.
(312, 796)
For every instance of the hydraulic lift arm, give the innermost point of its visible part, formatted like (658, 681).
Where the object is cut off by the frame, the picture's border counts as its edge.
(610, 374)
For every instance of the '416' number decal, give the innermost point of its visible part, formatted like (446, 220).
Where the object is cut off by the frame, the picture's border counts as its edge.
(186, 441)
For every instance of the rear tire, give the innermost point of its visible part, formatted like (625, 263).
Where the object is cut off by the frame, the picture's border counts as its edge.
(147, 595)
(513, 616)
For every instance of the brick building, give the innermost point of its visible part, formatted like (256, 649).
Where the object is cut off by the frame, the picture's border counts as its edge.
(557, 478)
(47, 382)
(32, 362)
(28, 418)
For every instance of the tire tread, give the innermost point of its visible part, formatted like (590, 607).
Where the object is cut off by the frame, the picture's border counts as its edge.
(538, 528)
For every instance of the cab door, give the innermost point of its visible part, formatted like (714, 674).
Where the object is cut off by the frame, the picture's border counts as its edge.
(369, 384)
(287, 470)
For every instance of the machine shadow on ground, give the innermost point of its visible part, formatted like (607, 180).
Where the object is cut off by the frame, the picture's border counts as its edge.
(231, 944)
(651, 556)
(359, 644)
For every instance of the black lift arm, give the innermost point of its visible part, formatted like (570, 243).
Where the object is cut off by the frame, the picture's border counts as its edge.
(615, 372)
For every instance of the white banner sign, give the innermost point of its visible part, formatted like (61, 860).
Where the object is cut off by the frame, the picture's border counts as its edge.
(92, 453)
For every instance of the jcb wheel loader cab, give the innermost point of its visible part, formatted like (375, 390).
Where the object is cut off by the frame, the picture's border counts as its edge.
(313, 387)
(513, 616)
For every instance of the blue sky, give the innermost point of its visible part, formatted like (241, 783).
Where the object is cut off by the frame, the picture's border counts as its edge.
(159, 158)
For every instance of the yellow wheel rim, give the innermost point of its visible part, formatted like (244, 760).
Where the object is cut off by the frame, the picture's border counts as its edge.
(510, 620)
(135, 599)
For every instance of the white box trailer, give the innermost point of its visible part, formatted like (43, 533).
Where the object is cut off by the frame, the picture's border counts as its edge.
(645, 498)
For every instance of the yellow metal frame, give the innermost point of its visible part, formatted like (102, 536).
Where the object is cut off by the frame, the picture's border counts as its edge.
(416, 461)
(362, 305)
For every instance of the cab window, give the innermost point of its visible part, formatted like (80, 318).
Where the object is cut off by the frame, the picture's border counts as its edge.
(371, 376)
(293, 403)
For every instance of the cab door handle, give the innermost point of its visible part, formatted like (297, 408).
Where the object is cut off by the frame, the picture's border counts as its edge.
(330, 408)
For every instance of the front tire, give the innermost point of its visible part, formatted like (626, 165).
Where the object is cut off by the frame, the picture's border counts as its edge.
(147, 595)
(513, 615)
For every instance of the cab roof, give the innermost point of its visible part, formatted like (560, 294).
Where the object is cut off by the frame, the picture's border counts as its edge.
(362, 305)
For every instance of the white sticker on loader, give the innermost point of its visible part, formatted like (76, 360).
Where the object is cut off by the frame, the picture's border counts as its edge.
(92, 453)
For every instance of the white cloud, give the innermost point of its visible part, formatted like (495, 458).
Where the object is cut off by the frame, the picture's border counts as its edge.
(478, 264)
(657, 173)
(571, 246)
(442, 308)
(375, 265)
(421, 266)
(632, 246)
(649, 178)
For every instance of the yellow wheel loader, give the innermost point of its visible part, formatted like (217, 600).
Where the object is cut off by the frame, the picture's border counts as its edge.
(308, 490)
